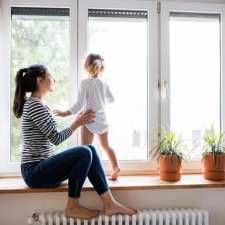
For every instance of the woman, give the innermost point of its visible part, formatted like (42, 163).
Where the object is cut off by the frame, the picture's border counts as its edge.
(40, 168)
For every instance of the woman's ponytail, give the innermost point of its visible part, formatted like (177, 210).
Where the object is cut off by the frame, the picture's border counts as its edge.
(26, 81)
(20, 93)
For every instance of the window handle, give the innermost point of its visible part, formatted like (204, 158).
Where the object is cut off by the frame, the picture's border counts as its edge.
(164, 89)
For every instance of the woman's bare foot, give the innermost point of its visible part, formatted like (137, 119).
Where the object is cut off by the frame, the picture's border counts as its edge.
(115, 174)
(111, 206)
(81, 212)
(117, 208)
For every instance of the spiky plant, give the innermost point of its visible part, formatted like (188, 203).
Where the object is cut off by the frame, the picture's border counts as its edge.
(170, 144)
(213, 143)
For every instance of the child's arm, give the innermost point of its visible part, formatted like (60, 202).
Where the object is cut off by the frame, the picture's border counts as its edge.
(80, 100)
(109, 95)
(61, 113)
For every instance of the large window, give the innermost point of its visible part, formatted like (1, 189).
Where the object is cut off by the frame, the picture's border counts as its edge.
(194, 76)
(121, 37)
(165, 67)
(40, 36)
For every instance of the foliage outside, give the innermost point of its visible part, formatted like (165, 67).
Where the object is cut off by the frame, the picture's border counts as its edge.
(40, 41)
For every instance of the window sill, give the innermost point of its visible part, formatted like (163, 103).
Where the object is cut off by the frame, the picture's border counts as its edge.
(17, 185)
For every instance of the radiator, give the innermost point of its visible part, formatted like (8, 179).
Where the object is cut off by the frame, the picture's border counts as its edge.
(143, 217)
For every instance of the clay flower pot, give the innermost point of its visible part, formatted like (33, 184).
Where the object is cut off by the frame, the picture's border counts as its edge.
(170, 167)
(214, 167)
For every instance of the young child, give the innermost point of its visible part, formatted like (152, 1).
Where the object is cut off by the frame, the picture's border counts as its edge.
(93, 94)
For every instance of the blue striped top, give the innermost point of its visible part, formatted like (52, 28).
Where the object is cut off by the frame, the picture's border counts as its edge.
(39, 131)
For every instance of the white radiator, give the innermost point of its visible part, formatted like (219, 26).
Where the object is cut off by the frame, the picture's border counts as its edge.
(143, 217)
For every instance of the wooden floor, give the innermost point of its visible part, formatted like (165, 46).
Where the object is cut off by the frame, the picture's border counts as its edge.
(17, 185)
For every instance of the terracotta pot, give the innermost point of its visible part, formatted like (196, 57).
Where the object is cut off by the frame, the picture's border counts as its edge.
(170, 167)
(214, 167)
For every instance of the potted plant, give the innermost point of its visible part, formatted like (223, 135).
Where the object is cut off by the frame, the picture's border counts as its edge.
(169, 154)
(213, 155)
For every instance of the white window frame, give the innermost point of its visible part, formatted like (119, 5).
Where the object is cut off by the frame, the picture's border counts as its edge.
(158, 67)
(8, 168)
(166, 8)
(128, 167)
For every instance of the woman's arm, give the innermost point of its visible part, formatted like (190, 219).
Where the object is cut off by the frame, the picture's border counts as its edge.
(45, 122)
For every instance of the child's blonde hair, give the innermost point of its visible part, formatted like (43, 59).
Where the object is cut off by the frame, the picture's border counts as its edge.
(94, 64)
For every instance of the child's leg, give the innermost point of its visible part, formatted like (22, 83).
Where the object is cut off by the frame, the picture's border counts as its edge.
(86, 136)
(103, 138)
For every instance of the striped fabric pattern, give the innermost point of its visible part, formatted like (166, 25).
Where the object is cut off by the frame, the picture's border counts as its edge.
(40, 132)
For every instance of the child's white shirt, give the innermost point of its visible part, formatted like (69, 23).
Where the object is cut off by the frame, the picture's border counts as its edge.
(93, 94)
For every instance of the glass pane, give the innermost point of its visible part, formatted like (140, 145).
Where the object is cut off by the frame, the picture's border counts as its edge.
(123, 44)
(44, 40)
(194, 78)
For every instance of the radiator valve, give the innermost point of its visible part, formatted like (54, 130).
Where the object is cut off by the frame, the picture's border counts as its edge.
(34, 218)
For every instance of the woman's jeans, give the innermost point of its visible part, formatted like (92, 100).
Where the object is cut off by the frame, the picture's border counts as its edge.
(74, 164)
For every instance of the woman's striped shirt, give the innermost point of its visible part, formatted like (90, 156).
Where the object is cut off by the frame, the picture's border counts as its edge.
(40, 132)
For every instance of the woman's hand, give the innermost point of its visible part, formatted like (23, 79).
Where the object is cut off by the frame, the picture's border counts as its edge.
(83, 118)
(61, 113)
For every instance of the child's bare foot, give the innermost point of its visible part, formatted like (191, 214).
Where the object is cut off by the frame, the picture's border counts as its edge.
(117, 208)
(81, 213)
(115, 174)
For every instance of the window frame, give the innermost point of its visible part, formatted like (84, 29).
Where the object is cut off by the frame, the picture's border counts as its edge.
(8, 168)
(129, 167)
(166, 8)
(158, 67)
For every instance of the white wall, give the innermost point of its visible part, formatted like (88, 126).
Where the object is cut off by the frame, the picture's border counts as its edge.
(15, 208)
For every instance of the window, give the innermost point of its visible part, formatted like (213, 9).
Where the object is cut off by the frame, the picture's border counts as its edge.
(121, 37)
(40, 36)
(165, 69)
(194, 76)
(125, 34)
(192, 73)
